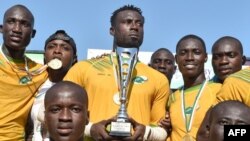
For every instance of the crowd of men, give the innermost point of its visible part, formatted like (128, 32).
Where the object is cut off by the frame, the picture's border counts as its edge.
(80, 99)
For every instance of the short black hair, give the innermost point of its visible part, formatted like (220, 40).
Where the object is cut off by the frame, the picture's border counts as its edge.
(228, 38)
(191, 36)
(125, 7)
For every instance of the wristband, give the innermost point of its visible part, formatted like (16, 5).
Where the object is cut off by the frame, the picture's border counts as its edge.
(155, 134)
(87, 129)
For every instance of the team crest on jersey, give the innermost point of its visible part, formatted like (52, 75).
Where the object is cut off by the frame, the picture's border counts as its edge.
(140, 79)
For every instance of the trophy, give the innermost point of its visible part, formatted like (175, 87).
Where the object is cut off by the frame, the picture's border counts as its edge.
(126, 60)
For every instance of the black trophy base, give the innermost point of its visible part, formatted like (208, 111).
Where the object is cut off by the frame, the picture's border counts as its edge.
(119, 134)
(120, 129)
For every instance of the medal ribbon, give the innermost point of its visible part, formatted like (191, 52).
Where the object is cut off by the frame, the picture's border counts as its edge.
(189, 121)
(26, 68)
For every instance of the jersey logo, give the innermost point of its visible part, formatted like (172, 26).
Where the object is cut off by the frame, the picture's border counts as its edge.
(140, 79)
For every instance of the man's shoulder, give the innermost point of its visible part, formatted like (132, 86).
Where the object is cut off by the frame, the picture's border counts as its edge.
(242, 75)
(214, 86)
(104, 58)
(214, 82)
(93, 64)
(144, 67)
(94, 61)
(149, 70)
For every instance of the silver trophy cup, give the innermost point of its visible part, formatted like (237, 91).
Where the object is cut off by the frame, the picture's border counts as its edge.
(126, 59)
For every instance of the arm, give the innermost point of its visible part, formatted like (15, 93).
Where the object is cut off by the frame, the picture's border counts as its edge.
(161, 95)
(158, 112)
(29, 131)
(166, 123)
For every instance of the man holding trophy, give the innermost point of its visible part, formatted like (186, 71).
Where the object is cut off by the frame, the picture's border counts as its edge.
(126, 97)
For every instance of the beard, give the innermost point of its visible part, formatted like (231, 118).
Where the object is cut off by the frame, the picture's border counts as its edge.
(129, 42)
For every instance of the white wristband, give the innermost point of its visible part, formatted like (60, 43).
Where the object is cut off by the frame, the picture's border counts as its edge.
(87, 129)
(147, 133)
(155, 134)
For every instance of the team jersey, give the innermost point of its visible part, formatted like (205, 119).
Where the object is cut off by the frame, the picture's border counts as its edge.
(236, 87)
(206, 100)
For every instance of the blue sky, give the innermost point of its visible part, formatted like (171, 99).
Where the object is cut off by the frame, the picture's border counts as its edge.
(88, 21)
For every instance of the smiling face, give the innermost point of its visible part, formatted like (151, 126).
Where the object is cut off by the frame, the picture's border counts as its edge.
(66, 112)
(128, 29)
(191, 57)
(17, 28)
(228, 113)
(227, 58)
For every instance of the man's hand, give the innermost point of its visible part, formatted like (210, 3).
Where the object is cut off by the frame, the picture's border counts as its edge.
(166, 123)
(98, 130)
(139, 130)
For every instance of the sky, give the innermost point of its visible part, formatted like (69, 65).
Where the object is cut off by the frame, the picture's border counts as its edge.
(166, 21)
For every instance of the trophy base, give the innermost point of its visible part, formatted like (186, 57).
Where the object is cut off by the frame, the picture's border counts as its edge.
(120, 129)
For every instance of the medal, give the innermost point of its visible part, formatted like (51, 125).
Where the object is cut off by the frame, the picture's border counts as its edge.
(187, 137)
(55, 64)
(116, 98)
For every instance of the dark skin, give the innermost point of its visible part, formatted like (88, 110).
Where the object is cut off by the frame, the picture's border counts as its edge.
(164, 62)
(63, 51)
(17, 29)
(190, 57)
(127, 32)
(227, 57)
(226, 113)
(202, 134)
(166, 123)
(66, 111)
